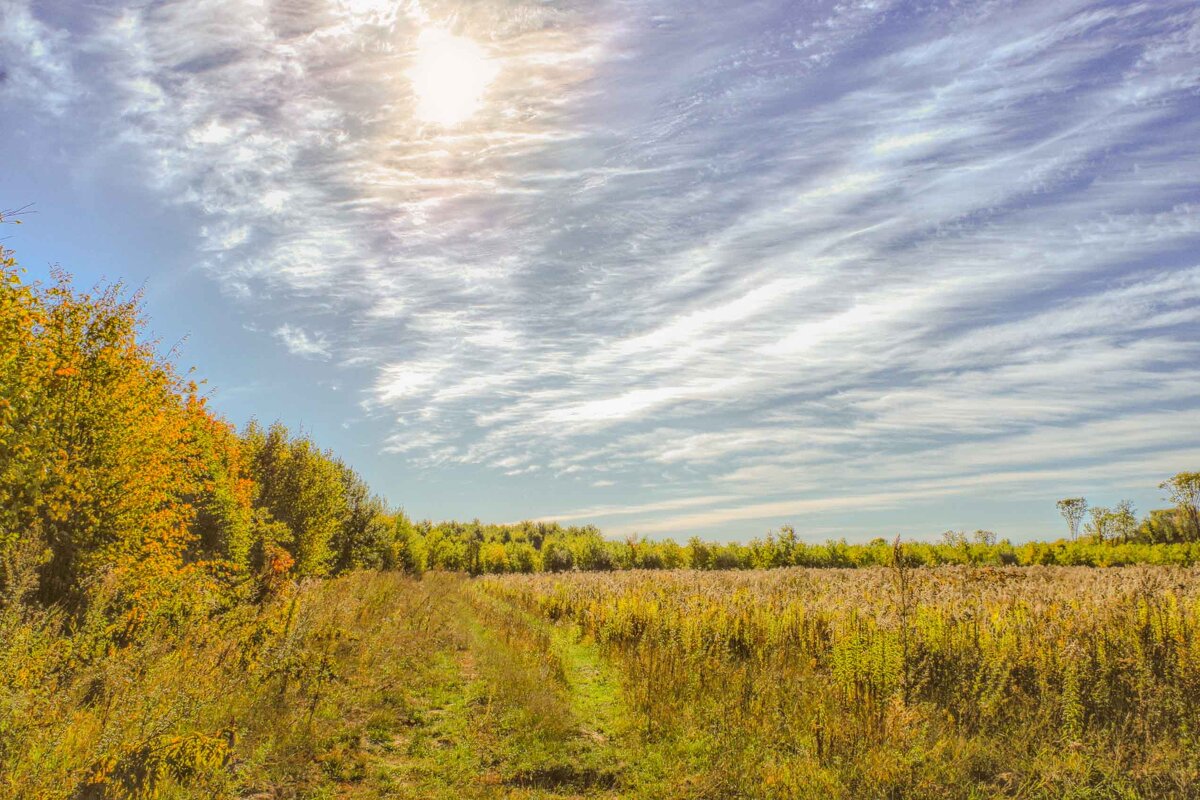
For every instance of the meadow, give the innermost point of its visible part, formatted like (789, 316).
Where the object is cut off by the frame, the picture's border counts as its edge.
(881, 682)
(900, 682)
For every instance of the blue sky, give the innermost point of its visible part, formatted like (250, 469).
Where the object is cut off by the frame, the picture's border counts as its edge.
(668, 267)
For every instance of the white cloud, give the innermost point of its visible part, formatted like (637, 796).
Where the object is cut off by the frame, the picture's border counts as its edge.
(906, 141)
(35, 59)
(406, 380)
(300, 343)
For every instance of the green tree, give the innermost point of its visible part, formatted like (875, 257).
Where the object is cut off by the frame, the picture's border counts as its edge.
(522, 557)
(224, 520)
(1162, 525)
(1184, 491)
(557, 556)
(364, 539)
(1113, 524)
(303, 488)
(699, 554)
(787, 546)
(409, 546)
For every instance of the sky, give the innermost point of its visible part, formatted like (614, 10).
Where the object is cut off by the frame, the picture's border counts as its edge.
(673, 268)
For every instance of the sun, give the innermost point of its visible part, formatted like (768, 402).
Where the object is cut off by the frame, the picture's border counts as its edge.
(449, 75)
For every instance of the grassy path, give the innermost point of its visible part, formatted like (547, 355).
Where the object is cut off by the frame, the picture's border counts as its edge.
(592, 686)
(512, 707)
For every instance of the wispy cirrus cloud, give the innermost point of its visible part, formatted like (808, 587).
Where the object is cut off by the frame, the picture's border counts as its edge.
(300, 343)
(719, 265)
(35, 61)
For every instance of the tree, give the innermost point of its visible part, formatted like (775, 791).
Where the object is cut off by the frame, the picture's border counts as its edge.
(1125, 521)
(409, 546)
(650, 557)
(1113, 524)
(632, 543)
(224, 521)
(556, 556)
(1184, 491)
(787, 546)
(98, 459)
(493, 558)
(984, 537)
(1162, 525)
(1073, 510)
(474, 548)
(672, 554)
(302, 487)
(699, 554)
(112, 465)
(594, 554)
(727, 557)
(365, 536)
(522, 557)
(955, 539)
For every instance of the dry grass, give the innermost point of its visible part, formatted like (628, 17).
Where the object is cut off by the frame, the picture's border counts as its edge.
(1023, 682)
(223, 701)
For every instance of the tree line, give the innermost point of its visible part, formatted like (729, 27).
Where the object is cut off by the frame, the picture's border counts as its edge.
(1097, 536)
(1163, 537)
(1120, 523)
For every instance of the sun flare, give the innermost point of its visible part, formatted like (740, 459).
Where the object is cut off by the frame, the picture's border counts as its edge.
(449, 75)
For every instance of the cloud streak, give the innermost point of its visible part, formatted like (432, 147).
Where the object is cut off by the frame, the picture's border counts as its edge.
(300, 343)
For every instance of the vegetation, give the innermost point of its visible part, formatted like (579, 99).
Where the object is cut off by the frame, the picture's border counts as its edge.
(192, 611)
(895, 682)
(1112, 537)
(113, 464)
(527, 547)
(113, 467)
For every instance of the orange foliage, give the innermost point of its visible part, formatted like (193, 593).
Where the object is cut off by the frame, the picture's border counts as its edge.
(114, 472)
(105, 452)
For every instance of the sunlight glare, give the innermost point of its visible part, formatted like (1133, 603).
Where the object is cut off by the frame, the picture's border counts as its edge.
(449, 75)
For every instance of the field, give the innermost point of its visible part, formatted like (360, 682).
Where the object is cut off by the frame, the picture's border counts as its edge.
(947, 682)
(954, 682)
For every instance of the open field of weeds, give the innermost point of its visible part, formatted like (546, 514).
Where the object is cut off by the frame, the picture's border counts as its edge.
(889, 683)
(948, 682)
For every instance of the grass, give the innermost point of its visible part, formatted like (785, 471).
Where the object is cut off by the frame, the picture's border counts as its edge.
(1028, 683)
(483, 716)
(955, 682)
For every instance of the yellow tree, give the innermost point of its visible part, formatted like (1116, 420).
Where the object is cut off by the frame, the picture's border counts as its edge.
(100, 457)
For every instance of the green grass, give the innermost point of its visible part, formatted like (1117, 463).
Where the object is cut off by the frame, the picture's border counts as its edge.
(490, 717)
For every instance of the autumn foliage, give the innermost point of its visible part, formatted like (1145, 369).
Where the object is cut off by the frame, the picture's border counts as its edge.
(114, 468)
